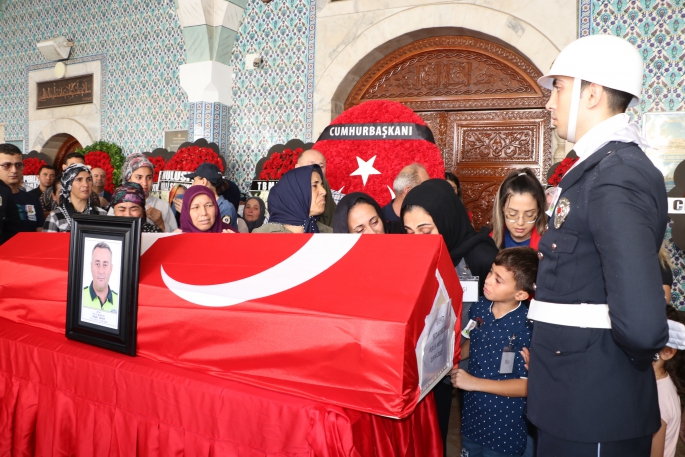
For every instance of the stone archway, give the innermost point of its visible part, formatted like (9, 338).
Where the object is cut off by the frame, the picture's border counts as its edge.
(338, 69)
(482, 102)
(49, 140)
(64, 144)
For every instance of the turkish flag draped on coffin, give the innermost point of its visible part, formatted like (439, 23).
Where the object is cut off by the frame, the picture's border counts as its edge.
(329, 317)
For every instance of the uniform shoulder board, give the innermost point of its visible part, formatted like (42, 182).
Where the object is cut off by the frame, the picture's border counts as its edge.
(226, 219)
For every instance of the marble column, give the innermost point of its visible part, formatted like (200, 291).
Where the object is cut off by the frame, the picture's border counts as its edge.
(210, 28)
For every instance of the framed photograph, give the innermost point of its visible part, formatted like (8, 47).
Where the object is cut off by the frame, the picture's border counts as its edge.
(665, 132)
(102, 294)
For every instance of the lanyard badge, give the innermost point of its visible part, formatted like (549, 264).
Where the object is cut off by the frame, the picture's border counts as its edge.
(508, 356)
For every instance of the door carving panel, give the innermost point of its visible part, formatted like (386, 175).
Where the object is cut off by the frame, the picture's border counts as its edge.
(486, 145)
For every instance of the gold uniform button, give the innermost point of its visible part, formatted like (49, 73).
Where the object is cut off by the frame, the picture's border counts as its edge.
(540, 256)
(554, 246)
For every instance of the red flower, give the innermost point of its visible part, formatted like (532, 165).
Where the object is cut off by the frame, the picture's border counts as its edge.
(188, 159)
(561, 170)
(100, 159)
(159, 163)
(32, 165)
(279, 164)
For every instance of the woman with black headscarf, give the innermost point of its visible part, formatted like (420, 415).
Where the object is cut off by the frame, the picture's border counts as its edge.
(360, 213)
(74, 198)
(296, 202)
(433, 207)
(254, 213)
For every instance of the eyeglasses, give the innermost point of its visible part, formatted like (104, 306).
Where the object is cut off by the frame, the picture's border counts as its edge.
(7, 165)
(526, 219)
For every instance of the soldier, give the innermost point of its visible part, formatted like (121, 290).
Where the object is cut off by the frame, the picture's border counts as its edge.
(599, 306)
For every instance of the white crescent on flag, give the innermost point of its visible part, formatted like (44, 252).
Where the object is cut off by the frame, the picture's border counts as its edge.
(321, 252)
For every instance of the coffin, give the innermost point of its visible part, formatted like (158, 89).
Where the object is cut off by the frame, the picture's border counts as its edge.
(335, 318)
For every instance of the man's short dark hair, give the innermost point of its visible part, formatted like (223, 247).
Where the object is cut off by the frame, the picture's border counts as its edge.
(617, 100)
(9, 149)
(46, 167)
(103, 245)
(73, 155)
(523, 263)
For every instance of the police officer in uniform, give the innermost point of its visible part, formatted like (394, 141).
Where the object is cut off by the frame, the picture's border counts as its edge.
(599, 306)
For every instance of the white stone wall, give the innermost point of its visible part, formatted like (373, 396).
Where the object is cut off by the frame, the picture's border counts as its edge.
(352, 35)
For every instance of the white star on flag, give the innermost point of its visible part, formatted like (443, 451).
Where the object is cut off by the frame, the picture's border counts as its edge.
(365, 169)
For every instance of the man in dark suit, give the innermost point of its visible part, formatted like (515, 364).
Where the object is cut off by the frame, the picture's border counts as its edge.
(599, 306)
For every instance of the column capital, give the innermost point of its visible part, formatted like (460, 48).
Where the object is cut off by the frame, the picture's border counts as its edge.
(208, 81)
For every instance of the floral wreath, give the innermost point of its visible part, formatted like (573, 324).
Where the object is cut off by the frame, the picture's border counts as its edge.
(279, 163)
(371, 165)
(32, 165)
(107, 156)
(159, 163)
(191, 157)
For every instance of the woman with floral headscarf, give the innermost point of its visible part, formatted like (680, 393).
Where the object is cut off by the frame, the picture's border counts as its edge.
(138, 168)
(77, 184)
(128, 200)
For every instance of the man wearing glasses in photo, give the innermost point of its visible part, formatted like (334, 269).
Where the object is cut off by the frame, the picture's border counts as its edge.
(30, 211)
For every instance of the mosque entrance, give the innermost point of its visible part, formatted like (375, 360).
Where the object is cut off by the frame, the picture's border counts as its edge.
(482, 102)
(58, 146)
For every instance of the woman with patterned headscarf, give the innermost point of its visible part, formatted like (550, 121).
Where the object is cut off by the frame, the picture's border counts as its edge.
(74, 198)
(138, 168)
(128, 200)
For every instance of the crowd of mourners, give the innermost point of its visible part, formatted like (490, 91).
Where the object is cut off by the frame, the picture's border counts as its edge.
(503, 256)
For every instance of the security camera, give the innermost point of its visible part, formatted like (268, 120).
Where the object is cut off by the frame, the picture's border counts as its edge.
(253, 61)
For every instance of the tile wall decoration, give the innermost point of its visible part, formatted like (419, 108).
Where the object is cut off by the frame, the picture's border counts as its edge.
(657, 29)
(141, 42)
(273, 104)
(209, 121)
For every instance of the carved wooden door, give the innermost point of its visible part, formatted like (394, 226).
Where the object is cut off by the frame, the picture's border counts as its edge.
(482, 103)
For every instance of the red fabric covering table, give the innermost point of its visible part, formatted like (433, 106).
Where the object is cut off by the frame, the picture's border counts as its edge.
(60, 397)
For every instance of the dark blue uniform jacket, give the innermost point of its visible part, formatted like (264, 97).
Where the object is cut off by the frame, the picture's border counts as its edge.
(597, 385)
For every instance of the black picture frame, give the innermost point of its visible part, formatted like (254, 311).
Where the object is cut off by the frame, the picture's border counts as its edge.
(112, 325)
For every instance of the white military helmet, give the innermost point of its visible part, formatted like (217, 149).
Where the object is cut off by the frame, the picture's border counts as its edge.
(606, 60)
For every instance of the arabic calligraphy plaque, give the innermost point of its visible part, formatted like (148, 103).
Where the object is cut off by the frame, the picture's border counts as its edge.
(65, 92)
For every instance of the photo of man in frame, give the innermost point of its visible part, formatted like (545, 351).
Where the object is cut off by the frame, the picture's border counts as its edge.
(100, 300)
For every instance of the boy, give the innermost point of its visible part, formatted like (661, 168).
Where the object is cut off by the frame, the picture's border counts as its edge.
(495, 385)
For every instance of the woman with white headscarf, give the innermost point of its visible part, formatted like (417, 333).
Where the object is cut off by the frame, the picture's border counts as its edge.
(77, 184)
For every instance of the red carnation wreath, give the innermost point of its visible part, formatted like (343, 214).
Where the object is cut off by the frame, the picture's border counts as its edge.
(345, 159)
(280, 163)
(188, 159)
(32, 165)
(100, 159)
(561, 170)
(159, 163)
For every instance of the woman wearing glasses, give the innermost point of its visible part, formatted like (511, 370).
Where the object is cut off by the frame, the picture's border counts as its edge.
(518, 214)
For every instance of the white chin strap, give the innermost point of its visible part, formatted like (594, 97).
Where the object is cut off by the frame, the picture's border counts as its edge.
(676, 335)
(573, 111)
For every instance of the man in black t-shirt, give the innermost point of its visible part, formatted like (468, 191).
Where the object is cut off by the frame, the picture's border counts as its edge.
(46, 178)
(11, 173)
